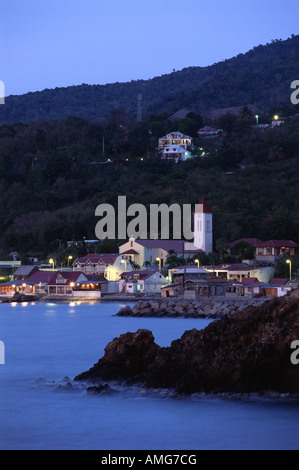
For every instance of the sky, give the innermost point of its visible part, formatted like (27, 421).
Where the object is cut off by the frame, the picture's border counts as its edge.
(59, 43)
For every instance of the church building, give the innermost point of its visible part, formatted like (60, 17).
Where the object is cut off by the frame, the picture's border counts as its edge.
(147, 251)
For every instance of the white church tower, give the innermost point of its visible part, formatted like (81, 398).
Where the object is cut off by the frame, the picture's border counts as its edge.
(203, 227)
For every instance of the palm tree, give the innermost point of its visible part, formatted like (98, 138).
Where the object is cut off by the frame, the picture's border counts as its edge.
(245, 114)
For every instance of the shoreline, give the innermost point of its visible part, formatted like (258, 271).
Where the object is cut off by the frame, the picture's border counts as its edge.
(207, 307)
(155, 305)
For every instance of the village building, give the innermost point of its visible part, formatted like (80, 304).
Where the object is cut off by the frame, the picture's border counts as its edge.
(175, 138)
(208, 131)
(63, 282)
(142, 282)
(38, 282)
(146, 252)
(181, 274)
(175, 153)
(111, 265)
(209, 287)
(10, 288)
(171, 290)
(24, 271)
(270, 250)
(241, 271)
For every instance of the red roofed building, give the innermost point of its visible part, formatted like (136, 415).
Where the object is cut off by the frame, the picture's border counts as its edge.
(111, 265)
(63, 282)
(270, 250)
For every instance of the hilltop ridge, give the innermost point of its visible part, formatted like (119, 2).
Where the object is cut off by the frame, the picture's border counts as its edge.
(261, 77)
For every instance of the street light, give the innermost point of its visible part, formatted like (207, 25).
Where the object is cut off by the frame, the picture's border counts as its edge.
(158, 259)
(68, 260)
(257, 119)
(51, 261)
(290, 263)
(197, 262)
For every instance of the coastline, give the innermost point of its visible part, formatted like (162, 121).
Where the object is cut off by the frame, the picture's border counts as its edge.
(206, 307)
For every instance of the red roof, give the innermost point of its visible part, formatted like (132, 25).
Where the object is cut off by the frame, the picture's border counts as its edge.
(130, 252)
(205, 207)
(69, 276)
(144, 274)
(252, 241)
(177, 245)
(42, 277)
(278, 282)
(279, 243)
(250, 280)
(269, 243)
(95, 258)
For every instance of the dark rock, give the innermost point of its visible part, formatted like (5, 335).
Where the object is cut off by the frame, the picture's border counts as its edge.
(99, 389)
(125, 357)
(247, 352)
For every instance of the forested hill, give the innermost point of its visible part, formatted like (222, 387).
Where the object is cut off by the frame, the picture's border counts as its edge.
(261, 77)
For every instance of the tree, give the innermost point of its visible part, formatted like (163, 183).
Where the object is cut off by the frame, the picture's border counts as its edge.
(172, 259)
(242, 250)
(245, 114)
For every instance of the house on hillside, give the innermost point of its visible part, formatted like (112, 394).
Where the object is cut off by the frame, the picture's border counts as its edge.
(270, 250)
(111, 265)
(175, 138)
(175, 153)
(208, 131)
(142, 282)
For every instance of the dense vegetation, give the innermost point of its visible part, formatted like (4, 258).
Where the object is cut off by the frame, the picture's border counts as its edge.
(261, 77)
(59, 160)
(54, 174)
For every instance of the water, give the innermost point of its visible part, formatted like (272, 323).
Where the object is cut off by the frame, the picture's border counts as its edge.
(47, 342)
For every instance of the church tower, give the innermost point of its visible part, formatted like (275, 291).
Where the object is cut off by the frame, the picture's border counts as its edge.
(203, 227)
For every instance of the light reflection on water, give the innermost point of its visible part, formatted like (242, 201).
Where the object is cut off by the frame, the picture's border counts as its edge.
(48, 344)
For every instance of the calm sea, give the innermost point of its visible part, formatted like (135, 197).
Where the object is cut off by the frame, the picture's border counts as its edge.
(47, 344)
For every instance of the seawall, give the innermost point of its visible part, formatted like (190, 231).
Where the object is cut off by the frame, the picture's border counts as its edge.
(214, 307)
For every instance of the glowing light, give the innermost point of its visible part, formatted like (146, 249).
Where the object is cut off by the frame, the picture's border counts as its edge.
(290, 263)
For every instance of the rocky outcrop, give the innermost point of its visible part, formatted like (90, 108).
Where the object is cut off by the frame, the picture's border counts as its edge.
(178, 307)
(248, 352)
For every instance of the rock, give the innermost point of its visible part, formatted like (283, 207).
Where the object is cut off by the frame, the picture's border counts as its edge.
(125, 311)
(243, 353)
(145, 311)
(100, 389)
(125, 357)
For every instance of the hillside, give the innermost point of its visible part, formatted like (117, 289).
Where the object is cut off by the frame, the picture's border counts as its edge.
(261, 78)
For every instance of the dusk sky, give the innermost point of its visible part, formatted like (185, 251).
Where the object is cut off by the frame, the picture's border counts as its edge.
(58, 43)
